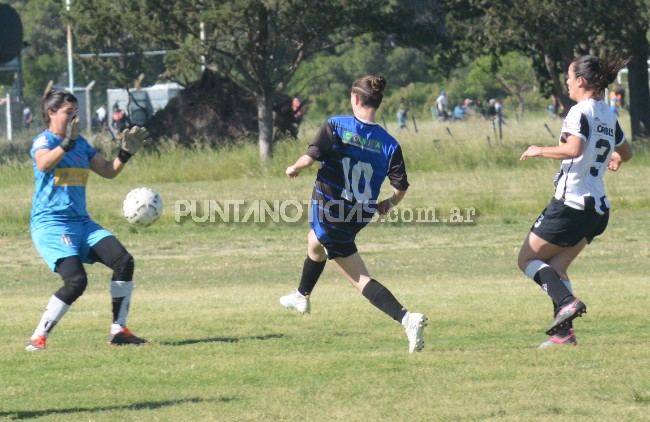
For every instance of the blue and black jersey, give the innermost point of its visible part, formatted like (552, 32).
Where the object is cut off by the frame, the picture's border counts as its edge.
(356, 157)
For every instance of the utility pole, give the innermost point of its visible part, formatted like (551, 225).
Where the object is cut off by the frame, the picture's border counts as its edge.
(70, 64)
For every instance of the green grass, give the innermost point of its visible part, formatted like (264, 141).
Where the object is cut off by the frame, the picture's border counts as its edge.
(222, 348)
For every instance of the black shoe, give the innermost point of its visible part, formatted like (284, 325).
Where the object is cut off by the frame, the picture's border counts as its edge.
(566, 314)
(125, 337)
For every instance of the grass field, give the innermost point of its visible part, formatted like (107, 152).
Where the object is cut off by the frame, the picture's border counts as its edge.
(223, 349)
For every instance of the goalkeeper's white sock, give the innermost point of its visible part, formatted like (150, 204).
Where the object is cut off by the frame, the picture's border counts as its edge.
(54, 311)
(121, 295)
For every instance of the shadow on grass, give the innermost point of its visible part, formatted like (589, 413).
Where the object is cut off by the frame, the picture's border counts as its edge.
(219, 340)
(33, 414)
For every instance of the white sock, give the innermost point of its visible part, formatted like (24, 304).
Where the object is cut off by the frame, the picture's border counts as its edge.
(53, 313)
(533, 267)
(121, 289)
(405, 320)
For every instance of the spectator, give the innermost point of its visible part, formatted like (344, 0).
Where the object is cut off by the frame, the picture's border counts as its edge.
(479, 108)
(495, 110)
(298, 112)
(120, 119)
(28, 117)
(619, 92)
(459, 112)
(100, 117)
(441, 104)
(468, 106)
(613, 103)
(402, 113)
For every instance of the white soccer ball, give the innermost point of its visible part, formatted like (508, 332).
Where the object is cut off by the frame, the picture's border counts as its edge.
(142, 206)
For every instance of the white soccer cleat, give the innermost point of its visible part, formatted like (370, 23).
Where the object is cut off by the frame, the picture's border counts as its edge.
(295, 300)
(414, 327)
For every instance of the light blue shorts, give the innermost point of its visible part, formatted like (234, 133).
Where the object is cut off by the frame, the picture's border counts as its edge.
(58, 239)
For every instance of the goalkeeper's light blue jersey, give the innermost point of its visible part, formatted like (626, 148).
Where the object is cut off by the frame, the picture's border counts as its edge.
(60, 194)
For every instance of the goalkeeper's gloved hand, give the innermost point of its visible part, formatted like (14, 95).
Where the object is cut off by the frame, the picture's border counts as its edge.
(72, 130)
(132, 141)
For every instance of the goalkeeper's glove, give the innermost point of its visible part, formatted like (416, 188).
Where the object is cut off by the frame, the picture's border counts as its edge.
(71, 133)
(132, 141)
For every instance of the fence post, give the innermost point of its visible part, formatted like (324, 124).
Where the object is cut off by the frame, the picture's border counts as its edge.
(89, 117)
(9, 128)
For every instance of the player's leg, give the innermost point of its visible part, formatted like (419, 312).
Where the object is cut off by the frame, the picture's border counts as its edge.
(110, 252)
(75, 282)
(533, 260)
(58, 244)
(311, 271)
(560, 263)
(355, 271)
(313, 265)
(565, 336)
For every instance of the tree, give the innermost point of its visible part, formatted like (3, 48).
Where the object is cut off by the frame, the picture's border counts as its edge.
(258, 44)
(44, 31)
(634, 40)
(326, 78)
(552, 35)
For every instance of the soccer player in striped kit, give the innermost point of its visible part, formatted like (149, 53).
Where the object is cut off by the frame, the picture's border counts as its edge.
(591, 142)
(356, 155)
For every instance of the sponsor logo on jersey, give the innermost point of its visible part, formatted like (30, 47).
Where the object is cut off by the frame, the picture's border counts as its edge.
(604, 129)
(70, 177)
(352, 138)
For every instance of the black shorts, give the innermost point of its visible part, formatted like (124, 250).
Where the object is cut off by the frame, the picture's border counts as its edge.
(335, 249)
(564, 226)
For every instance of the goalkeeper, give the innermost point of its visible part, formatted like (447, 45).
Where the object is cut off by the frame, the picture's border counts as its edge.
(61, 229)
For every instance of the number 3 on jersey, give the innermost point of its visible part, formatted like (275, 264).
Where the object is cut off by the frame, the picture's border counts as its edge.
(352, 176)
(600, 158)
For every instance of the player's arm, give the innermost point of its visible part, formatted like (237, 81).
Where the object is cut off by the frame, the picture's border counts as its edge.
(573, 147)
(622, 153)
(320, 148)
(47, 159)
(132, 140)
(106, 168)
(387, 204)
(301, 163)
(398, 181)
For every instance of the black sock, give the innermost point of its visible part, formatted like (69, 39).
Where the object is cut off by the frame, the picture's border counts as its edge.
(117, 304)
(311, 272)
(383, 299)
(550, 281)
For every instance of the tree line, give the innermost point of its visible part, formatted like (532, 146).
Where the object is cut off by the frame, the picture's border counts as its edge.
(272, 47)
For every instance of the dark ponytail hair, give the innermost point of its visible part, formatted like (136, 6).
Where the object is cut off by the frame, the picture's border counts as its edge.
(599, 73)
(54, 100)
(370, 90)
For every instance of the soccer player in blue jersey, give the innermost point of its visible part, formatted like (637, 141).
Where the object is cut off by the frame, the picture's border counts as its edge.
(591, 142)
(356, 155)
(61, 228)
